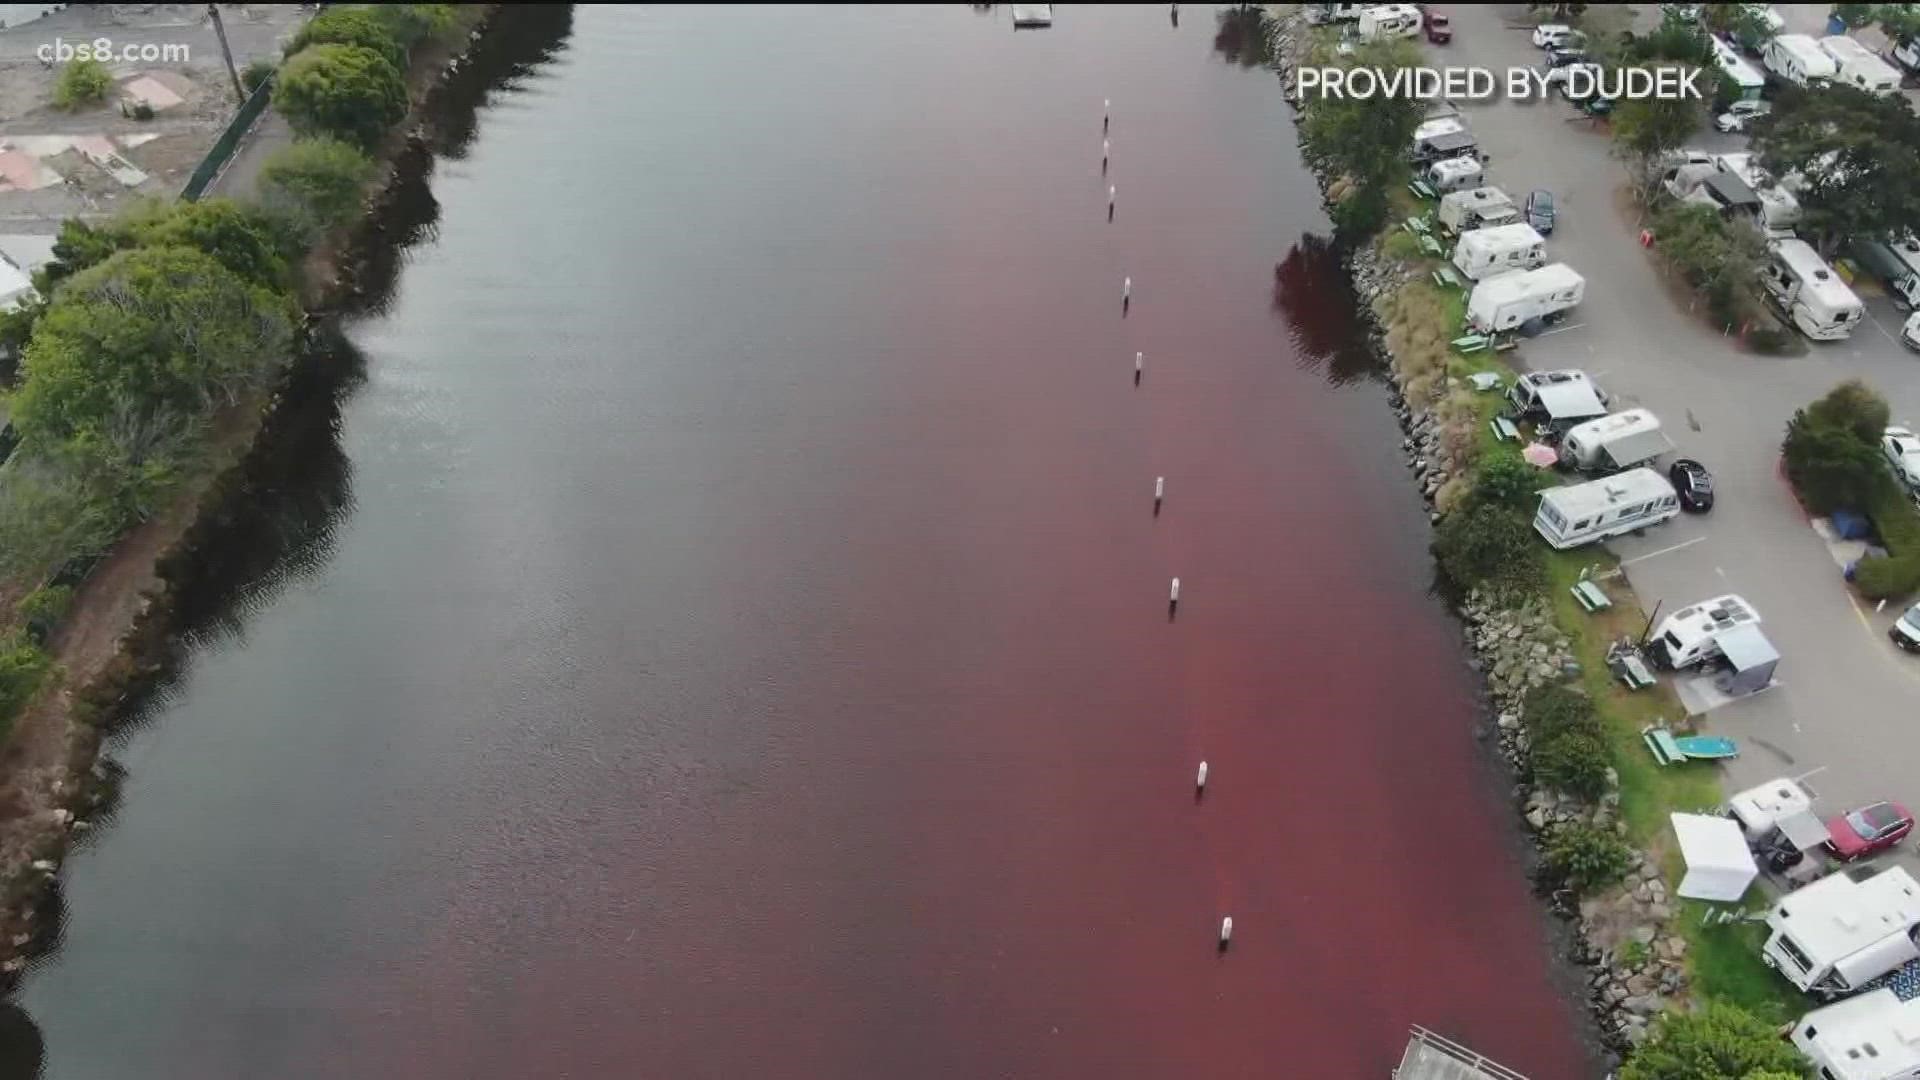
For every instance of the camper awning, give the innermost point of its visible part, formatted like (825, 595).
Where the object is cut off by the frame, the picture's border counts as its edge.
(1719, 866)
(1570, 400)
(1452, 142)
(1747, 649)
(1732, 192)
(1635, 449)
(1803, 829)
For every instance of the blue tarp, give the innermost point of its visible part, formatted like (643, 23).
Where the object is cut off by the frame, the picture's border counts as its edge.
(1848, 525)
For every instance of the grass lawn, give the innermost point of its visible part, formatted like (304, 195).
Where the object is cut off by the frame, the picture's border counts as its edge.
(1725, 963)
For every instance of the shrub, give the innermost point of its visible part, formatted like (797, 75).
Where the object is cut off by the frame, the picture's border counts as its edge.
(23, 666)
(239, 237)
(82, 82)
(1898, 523)
(256, 74)
(1832, 450)
(42, 609)
(1556, 707)
(1771, 340)
(1572, 760)
(315, 184)
(1505, 479)
(1489, 546)
(348, 91)
(1402, 245)
(410, 24)
(1714, 256)
(356, 24)
(1721, 1042)
(1587, 859)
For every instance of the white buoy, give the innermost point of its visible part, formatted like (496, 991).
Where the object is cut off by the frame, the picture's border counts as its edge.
(1106, 116)
(1109, 202)
(1226, 932)
(1139, 362)
(1126, 287)
(1200, 780)
(1173, 598)
(1106, 151)
(1160, 492)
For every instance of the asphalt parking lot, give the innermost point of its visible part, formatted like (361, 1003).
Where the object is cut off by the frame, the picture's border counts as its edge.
(1847, 705)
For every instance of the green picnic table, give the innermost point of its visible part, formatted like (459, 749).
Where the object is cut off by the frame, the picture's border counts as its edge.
(1591, 596)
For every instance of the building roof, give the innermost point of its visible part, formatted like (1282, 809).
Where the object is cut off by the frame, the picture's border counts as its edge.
(1837, 915)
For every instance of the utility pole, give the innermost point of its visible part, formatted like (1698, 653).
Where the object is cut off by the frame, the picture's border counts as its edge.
(213, 12)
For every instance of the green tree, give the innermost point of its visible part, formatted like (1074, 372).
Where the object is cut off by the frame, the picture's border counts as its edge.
(82, 82)
(351, 24)
(1901, 22)
(410, 24)
(315, 184)
(1586, 858)
(1830, 469)
(1852, 157)
(1855, 15)
(42, 609)
(134, 351)
(241, 238)
(1490, 546)
(1364, 140)
(1572, 760)
(1505, 479)
(347, 91)
(1646, 129)
(1722, 1042)
(1854, 407)
(1715, 256)
(78, 246)
(22, 668)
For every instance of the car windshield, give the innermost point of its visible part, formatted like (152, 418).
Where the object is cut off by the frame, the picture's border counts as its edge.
(1700, 480)
(1875, 821)
(1912, 617)
(1543, 202)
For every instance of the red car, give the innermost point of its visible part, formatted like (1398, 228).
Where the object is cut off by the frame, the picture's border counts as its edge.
(1873, 828)
(1439, 27)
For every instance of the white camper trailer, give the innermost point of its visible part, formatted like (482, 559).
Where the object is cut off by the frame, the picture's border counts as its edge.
(1500, 249)
(1613, 443)
(1799, 59)
(1505, 302)
(1580, 514)
(1809, 292)
(1389, 21)
(1455, 174)
(1874, 1036)
(1556, 400)
(1859, 67)
(1838, 933)
(1690, 637)
(1778, 815)
(1477, 209)
(1747, 82)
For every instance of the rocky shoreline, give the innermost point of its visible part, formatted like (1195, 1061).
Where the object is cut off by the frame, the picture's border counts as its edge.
(1636, 969)
(56, 803)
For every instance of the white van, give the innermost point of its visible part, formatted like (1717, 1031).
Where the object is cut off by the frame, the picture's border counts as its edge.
(1389, 21)
(1552, 35)
(1799, 59)
(1838, 933)
(1502, 249)
(1807, 291)
(1859, 67)
(1613, 443)
(1580, 514)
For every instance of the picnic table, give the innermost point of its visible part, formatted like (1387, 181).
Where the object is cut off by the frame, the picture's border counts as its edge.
(1591, 596)
(1471, 343)
(1504, 429)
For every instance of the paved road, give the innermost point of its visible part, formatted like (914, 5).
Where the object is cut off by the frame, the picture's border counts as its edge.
(1846, 703)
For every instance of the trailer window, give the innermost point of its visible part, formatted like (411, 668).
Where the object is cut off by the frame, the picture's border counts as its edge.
(1581, 524)
(1786, 943)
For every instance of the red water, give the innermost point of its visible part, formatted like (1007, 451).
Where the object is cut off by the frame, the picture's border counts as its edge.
(748, 653)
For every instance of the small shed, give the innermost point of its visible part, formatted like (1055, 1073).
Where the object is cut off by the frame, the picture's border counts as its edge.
(1752, 657)
(1719, 866)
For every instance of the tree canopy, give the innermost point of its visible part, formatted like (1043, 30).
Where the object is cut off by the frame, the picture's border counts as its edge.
(347, 91)
(135, 350)
(1852, 158)
(314, 184)
(1364, 139)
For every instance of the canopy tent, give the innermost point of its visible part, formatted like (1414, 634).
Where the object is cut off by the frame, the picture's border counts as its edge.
(1719, 866)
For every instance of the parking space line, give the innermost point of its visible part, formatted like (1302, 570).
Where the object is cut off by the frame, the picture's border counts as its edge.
(1662, 551)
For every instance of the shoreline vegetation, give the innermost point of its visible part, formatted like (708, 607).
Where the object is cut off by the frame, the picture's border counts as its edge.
(1673, 997)
(139, 387)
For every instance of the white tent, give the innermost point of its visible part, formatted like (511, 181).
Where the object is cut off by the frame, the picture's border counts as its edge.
(1719, 866)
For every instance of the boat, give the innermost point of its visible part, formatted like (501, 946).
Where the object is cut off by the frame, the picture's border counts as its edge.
(1671, 749)
(1032, 16)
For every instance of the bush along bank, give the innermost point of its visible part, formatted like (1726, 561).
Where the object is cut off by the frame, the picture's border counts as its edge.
(1566, 730)
(147, 372)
